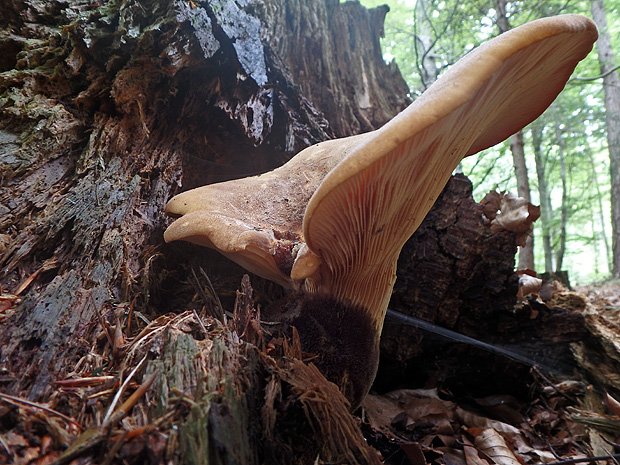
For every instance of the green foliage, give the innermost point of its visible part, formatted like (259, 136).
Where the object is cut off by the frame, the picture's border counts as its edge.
(455, 27)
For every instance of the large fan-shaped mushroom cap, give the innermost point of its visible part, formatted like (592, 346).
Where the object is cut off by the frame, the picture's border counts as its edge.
(388, 183)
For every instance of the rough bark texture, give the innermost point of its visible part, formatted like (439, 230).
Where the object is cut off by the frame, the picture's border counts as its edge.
(454, 268)
(106, 117)
(457, 273)
(333, 53)
(106, 110)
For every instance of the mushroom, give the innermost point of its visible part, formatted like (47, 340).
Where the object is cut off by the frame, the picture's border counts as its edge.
(330, 223)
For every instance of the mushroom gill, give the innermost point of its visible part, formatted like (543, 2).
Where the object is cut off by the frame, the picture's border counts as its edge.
(331, 222)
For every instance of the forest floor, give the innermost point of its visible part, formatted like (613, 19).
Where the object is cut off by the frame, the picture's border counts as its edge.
(560, 421)
(605, 293)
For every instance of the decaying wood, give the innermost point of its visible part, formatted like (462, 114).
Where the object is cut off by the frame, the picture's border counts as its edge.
(106, 110)
(105, 114)
(599, 353)
(458, 272)
(109, 108)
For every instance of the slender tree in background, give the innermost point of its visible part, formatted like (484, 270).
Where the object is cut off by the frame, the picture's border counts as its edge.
(561, 248)
(611, 86)
(546, 212)
(517, 147)
(599, 213)
(424, 43)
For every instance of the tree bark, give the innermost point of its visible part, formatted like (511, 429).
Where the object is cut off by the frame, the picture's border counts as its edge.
(611, 87)
(106, 110)
(559, 258)
(457, 273)
(424, 44)
(600, 215)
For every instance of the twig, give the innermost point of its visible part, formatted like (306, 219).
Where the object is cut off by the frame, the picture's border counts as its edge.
(594, 78)
(120, 392)
(115, 448)
(221, 314)
(82, 382)
(102, 321)
(615, 444)
(6, 448)
(202, 325)
(584, 459)
(133, 399)
(95, 435)
(22, 402)
(129, 315)
(140, 430)
(550, 383)
(201, 291)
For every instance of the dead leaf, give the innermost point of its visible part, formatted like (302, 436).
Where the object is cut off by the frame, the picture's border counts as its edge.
(491, 443)
(491, 204)
(502, 407)
(471, 454)
(380, 413)
(452, 456)
(414, 453)
(528, 453)
(424, 406)
(15, 440)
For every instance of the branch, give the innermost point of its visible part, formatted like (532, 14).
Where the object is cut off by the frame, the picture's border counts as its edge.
(594, 78)
(585, 459)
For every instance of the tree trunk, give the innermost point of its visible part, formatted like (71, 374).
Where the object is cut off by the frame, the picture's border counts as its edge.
(611, 86)
(559, 258)
(424, 44)
(526, 253)
(600, 215)
(106, 110)
(546, 212)
(501, 18)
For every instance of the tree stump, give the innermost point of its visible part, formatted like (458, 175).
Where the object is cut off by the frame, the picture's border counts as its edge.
(106, 111)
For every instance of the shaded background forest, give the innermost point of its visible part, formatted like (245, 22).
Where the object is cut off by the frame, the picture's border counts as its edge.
(567, 151)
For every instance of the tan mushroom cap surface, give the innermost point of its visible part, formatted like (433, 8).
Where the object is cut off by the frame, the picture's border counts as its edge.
(334, 218)
(257, 221)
